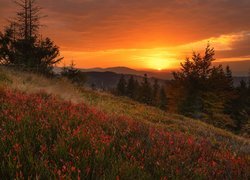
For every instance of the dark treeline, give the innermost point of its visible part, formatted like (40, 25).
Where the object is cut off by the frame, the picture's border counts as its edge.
(198, 90)
(22, 46)
(144, 92)
(207, 92)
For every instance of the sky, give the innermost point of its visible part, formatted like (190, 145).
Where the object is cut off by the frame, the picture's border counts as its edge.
(143, 34)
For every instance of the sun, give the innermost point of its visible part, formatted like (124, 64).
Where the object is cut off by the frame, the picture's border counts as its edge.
(158, 63)
(157, 59)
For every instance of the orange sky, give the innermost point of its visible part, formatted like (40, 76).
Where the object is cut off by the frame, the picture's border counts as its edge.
(144, 34)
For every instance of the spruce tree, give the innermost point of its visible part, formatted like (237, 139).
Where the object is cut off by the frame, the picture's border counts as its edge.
(156, 89)
(229, 78)
(121, 86)
(163, 99)
(194, 79)
(21, 44)
(74, 74)
(146, 91)
(137, 90)
(131, 89)
(249, 81)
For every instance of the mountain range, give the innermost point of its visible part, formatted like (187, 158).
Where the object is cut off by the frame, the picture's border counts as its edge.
(107, 78)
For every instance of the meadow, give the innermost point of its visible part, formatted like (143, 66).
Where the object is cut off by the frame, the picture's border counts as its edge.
(51, 129)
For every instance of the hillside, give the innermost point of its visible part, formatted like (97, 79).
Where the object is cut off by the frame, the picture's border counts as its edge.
(50, 128)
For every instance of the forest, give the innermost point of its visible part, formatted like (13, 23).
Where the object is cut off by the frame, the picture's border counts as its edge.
(198, 90)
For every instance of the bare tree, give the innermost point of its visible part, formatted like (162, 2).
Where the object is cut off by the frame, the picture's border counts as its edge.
(20, 42)
(28, 18)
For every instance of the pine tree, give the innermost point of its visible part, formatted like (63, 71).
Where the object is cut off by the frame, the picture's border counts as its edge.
(121, 86)
(74, 74)
(156, 88)
(194, 79)
(249, 81)
(240, 106)
(22, 46)
(163, 99)
(195, 72)
(28, 18)
(146, 91)
(229, 77)
(137, 90)
(131, 88)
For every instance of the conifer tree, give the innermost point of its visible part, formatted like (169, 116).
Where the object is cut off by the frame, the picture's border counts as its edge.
(163, 99)
(240, 108)
(21, 44)
(74, 74)
(249, 80)
(194, 78)
(146, 91)
(121, 86)
(156, 89)
(131, 88)
(229, 78)
(137, 90)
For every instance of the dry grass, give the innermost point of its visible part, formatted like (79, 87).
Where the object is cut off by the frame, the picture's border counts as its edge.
(32, 83)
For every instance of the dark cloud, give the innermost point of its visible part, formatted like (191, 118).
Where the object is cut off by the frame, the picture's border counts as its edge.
(107, 24)
(239, 48)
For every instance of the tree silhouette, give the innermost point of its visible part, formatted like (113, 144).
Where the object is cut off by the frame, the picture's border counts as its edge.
(28, 17)
(22, 46)
(195, 71)
(121, 86)
(240, 109)
(163, 99)
(155, 94)
(73, 74)
(146, 91)
(229, 77)
(131, 88)
(194, 77)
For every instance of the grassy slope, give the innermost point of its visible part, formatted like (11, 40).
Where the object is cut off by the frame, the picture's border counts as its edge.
(120, 106)
(219, 140)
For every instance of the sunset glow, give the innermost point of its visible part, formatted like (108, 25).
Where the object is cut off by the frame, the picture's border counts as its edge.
(143, 35)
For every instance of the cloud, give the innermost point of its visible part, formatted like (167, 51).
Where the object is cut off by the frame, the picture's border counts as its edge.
(92, 25)
(239, 48)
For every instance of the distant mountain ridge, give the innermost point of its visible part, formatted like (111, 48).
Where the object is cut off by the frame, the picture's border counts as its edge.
(126, 70)
(239, 68)
(107, 78)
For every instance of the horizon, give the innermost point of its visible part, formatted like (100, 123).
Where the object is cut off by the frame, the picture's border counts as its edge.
(144, 36)
(239, 69)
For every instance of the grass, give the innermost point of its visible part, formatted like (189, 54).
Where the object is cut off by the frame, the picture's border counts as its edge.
(44, 135)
